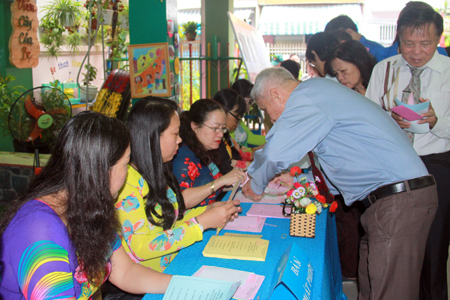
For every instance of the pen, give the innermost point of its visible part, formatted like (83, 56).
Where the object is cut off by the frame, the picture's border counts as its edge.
(257, 298)
(281, 181)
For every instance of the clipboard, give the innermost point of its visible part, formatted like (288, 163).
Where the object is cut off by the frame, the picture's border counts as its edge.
(233, 193)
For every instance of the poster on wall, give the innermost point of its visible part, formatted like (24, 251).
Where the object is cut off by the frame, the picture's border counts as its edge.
(149, 70)
(251, 44)
(24, 45)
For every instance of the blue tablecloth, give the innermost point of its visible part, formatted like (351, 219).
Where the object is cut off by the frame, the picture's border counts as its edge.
(322, 252)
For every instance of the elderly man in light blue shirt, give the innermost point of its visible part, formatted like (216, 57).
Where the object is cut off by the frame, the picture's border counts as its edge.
(367, 157)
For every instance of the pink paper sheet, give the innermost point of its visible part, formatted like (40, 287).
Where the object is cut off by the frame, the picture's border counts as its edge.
(266, 210)
(406, 113)
(246, 223)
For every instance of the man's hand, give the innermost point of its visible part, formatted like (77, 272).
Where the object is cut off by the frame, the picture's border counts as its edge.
(399, 120)
(249, 193)
(356, 36)
(285, 178)
(430, 115)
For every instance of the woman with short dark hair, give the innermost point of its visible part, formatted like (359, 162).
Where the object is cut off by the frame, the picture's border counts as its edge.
(195, 165)
(59, 239)
(352, 65)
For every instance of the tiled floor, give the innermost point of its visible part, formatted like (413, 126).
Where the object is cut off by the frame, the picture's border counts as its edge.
(351, 290)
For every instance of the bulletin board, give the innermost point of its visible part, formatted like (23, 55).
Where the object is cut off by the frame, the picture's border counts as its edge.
(251, 45)
(149, 70)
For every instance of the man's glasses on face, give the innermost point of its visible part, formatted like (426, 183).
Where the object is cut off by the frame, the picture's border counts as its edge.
(217, 129)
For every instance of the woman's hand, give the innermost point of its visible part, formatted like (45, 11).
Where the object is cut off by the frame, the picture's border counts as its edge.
(219, 213)
(230, 178)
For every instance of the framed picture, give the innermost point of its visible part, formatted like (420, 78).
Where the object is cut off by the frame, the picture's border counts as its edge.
(149, 70)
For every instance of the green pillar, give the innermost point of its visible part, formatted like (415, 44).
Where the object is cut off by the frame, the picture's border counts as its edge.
(217, 27)
(23, 76)
(148, 24)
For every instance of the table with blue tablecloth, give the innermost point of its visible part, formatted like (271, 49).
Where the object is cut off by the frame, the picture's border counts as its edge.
(322, 252)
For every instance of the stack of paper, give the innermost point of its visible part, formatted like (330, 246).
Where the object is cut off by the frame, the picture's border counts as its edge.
(246, 223)
(266, 210)
(411, 113)
(195, 288)
(236, 247)
(249, 282)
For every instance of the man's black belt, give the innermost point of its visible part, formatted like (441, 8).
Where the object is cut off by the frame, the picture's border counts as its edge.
(398, 187)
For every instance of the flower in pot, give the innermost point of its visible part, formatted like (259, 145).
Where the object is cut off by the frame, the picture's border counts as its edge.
(89, 76)
(64, 12)
(107, 9)
(189, 29)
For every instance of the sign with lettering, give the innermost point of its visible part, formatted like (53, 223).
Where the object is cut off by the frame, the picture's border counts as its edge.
(24, 46)
(293, 276)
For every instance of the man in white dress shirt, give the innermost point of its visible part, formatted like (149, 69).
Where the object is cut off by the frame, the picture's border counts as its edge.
(419, 32)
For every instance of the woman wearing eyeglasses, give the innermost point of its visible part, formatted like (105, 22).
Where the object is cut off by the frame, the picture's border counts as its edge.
(243, 135)
(195, 165)
(230, 153)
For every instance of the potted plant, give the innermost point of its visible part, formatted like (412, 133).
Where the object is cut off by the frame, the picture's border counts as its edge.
(73, 42)
(64, 12)
(108, 8)
(89, 76)
(124, 16)
(52, 41)
(8, 95)
(189, 29)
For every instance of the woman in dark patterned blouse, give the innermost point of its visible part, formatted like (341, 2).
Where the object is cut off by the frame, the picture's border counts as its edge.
(195, 165)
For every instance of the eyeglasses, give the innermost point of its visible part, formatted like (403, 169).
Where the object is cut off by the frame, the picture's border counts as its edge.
(238, 119)
(217, 129)
(311, 64)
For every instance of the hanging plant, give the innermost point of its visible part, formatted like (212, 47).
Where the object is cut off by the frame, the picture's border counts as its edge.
(73, 42)
(63, 12)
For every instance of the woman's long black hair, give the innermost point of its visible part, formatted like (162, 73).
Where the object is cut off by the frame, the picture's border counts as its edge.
(88, 146)
(198, 114)
(148, 119)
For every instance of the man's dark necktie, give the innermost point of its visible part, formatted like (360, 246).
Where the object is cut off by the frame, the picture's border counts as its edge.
(321, 184)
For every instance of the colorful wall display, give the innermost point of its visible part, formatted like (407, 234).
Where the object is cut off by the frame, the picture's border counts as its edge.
(24, 46)
(149, 70)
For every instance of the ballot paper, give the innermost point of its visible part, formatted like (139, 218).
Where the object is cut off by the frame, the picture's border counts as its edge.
(272, 194)
(234, 247)
(411, 113)
(250, 282)
(197, 288)
(246, 223)
(266, 210)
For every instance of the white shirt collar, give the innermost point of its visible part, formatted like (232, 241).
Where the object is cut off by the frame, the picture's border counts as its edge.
(433, 64)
